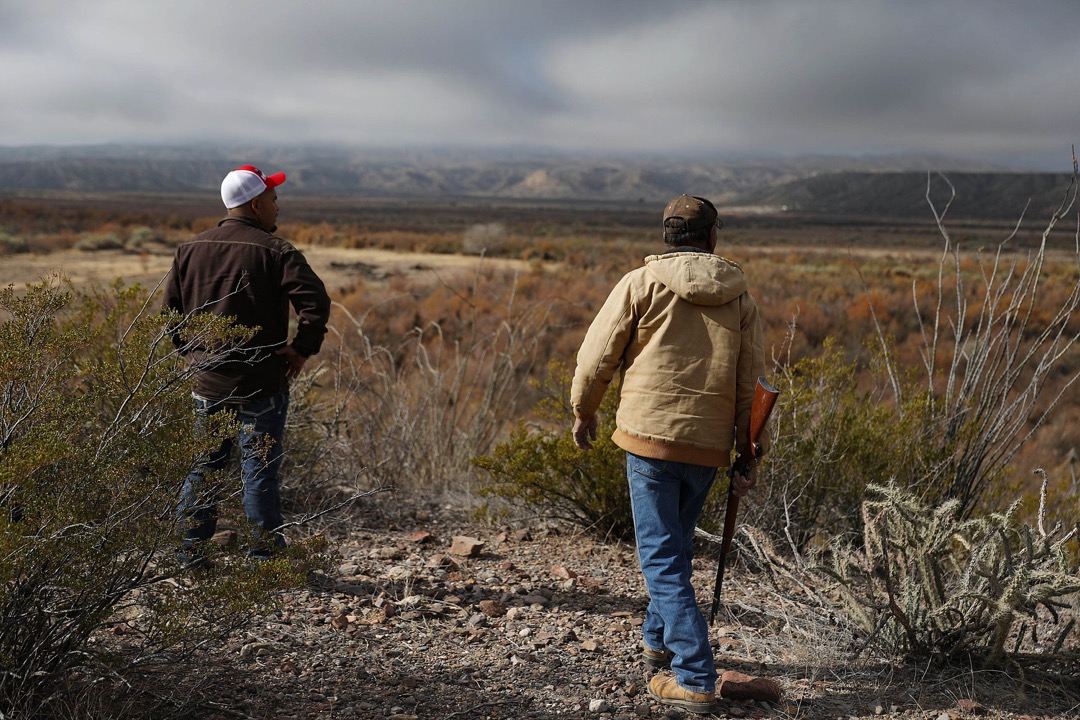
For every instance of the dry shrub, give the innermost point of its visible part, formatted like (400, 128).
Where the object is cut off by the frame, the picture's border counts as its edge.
(943, 415)
(411, 405)
(484, 239)
(96, 437)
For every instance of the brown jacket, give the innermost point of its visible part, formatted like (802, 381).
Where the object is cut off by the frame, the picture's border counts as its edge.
(685, 334)
(238, 269)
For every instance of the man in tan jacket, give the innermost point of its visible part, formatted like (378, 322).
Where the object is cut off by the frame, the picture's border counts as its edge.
(684, 334)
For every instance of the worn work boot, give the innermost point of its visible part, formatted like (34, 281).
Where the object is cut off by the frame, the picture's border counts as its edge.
(659, 659)
(663, 687)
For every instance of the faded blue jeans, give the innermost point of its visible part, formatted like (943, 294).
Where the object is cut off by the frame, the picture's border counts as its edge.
(262, 427)
(667, 498)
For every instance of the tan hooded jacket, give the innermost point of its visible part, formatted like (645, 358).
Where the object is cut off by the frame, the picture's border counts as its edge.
(686, 336)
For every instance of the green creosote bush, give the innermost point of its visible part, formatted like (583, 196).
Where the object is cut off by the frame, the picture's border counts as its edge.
(99, 241)
(925, 583)
(143, 238)
(97, 434)
(539, 465)
(11, 244)
(834, 430)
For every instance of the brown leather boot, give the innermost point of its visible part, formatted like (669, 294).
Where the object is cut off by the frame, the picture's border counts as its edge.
(659, 659)
(666, 689)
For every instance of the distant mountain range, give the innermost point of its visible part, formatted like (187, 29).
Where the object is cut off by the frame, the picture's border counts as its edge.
(893, 186)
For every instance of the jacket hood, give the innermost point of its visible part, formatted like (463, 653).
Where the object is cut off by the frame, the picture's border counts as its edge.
(699, 278)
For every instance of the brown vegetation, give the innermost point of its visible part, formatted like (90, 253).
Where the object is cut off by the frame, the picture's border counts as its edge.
(445, 312)
(814, 278)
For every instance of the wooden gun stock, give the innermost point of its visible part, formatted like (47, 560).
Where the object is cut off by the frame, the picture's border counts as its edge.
(764, 399)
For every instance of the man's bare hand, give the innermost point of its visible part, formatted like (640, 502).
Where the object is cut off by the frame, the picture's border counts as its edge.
(294, 361)
(743, 482)
(584, 432)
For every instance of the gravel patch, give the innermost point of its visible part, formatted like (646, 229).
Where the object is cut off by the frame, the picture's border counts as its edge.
(434, 617)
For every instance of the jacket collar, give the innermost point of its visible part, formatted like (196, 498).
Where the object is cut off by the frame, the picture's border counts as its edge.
(686, 248)
(242, 219)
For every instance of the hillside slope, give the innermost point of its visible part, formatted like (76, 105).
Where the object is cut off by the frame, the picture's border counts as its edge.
(990, 195)
(885, 186)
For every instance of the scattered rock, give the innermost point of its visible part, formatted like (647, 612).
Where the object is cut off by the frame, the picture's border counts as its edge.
(225, 538)
(465, 546)
(492, 608)
(444, 562)
(972, 707)
(735, 685)
(430, 635)
(254, 648)
(560, 572)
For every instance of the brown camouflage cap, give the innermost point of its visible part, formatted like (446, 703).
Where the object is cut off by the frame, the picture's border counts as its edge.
(687, 213)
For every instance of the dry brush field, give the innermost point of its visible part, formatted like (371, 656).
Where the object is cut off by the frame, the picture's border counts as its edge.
(411, 264)
(424, 281)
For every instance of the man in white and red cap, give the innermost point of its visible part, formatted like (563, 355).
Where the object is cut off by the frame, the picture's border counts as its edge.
(240, 269)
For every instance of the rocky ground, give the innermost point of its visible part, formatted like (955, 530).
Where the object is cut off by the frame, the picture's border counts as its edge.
(536, 623)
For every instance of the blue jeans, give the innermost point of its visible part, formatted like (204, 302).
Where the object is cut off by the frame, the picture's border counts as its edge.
(667, 498)
(262, 426)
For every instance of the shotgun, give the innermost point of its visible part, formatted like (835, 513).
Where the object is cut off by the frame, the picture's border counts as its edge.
(764, 399)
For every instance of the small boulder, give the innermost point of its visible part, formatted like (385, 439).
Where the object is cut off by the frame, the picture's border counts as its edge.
(465, 546)
(492, 608)
(972, 707)
(735, 685)
(561, 572)
(225, 538)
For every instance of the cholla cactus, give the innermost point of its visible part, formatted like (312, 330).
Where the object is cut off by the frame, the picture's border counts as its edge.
(930, 585)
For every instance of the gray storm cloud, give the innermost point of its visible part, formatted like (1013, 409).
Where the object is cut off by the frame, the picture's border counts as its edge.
(994, 80)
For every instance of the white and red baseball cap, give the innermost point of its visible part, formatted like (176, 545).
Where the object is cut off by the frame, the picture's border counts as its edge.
(247, 182)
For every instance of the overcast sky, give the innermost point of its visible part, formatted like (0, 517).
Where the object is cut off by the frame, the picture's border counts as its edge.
(981, 79)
